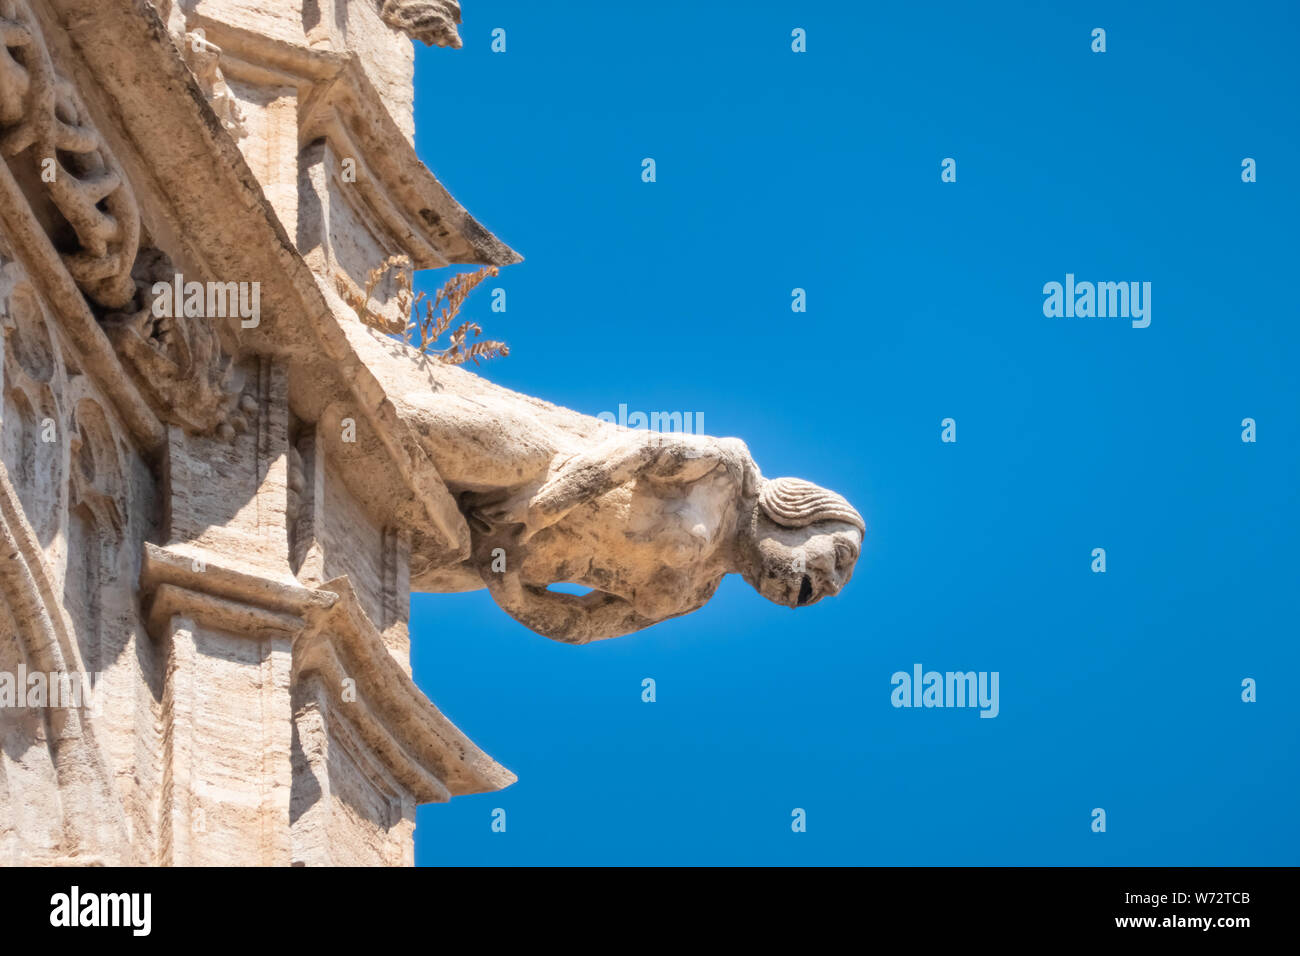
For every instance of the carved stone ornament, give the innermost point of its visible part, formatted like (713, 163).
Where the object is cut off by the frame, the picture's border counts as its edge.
(204, 58)
(176, 360)
(41, 112)
(432, 22)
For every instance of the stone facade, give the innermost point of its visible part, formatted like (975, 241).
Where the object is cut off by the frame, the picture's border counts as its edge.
(180, 529)
(214, 513)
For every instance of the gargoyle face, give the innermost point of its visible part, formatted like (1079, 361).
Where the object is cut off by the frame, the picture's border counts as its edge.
(796, 567)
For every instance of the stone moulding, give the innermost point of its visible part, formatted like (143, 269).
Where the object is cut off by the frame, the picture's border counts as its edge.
(335, 639)
(398, 720)
(339, 104)
(176, 582)
(192, 161)
(432, 227)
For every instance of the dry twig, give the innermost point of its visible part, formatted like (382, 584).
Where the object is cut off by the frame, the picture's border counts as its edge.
(422, 329)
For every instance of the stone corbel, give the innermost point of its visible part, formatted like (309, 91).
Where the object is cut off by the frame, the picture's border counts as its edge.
(177, 360)
(432, 22)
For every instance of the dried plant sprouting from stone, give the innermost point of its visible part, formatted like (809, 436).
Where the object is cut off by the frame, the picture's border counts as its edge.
(359, 299)
(422, 329)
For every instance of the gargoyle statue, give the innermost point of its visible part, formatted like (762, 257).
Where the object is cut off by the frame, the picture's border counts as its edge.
(650, 522)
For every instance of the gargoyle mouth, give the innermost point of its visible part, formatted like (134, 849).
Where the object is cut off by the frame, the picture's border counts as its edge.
(805, 591)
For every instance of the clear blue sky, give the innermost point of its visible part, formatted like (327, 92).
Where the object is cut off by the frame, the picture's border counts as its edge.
(821, 170)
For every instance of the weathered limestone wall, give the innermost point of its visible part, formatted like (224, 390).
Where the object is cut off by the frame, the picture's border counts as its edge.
(182, 521)
(89, 500)
(227, 727)
(389, 60)
(229, 497)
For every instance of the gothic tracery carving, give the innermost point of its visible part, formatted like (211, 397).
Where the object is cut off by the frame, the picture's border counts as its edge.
(177, 362)
(40, 111)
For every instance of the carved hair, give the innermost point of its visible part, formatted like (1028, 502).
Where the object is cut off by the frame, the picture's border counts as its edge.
(795, 503)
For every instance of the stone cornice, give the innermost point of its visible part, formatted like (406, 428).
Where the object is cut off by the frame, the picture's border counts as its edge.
(175, 148)
(334, 638)
(340, 104)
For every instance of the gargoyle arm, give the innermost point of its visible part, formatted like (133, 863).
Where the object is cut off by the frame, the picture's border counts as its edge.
(675, 457)
(568, 618)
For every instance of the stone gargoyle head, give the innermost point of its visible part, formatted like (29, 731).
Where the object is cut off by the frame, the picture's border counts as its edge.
(801, 542)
